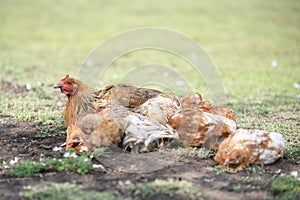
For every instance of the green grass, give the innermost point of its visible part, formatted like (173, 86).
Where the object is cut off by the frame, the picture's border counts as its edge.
(241, 37)
(65, 191)
(170, 187)
(28, 169)
(30, 106)
(196, 152)
(99, 151)
(284, 187)
(71, 162)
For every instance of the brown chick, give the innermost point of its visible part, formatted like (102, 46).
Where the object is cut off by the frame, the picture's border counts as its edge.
(247, 146)
(198, 128)
(94, 129)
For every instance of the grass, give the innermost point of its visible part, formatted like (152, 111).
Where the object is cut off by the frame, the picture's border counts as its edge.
(99, 151)
(242, 43)
(284, 187)
(196, 152)
(71, 162)
(169, 187)
(30, 106)
(51, 129)
(81, 164)
(27, 169)
(66, 191)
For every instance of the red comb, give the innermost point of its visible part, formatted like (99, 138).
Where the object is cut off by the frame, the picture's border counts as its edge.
(67, 76)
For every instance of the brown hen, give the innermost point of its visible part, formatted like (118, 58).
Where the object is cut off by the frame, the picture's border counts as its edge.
(117, 125)
(94, 129)
(201, 128)
(80, 97)
(126, 95)
(247, 146)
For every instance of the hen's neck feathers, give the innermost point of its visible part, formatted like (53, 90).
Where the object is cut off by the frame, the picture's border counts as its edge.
(80, 102)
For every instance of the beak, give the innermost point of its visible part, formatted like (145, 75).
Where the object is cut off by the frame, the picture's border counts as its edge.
(227, 161)
(58, 86)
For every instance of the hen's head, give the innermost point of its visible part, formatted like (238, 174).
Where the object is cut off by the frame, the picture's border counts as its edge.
(233, 159)
(67, 85)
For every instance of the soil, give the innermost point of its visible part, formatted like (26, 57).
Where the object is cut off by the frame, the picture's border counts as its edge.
(20, 139)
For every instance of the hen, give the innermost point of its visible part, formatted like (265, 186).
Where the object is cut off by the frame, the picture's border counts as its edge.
(126, 95)
(82, 98)
(199, 127)
(94, 129)
(246, 147)
(116, 125)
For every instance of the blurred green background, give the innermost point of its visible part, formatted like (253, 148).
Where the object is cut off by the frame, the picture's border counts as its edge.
(41, 41)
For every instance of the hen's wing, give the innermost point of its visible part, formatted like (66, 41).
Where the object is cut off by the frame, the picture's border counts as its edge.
(206, 106)
(197, 128)
(127, 95)
(159, 109)
(143, 135)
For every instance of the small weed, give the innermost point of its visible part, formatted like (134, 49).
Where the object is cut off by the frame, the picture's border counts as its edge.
(169, 187)
(99, 151)
(81, 164)
(218, 170)
(27, 169)
(66, 191)
(50, 130)
(236, 187)
(284, 187)
(202, 153)
(256, 169)
(247, 179)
